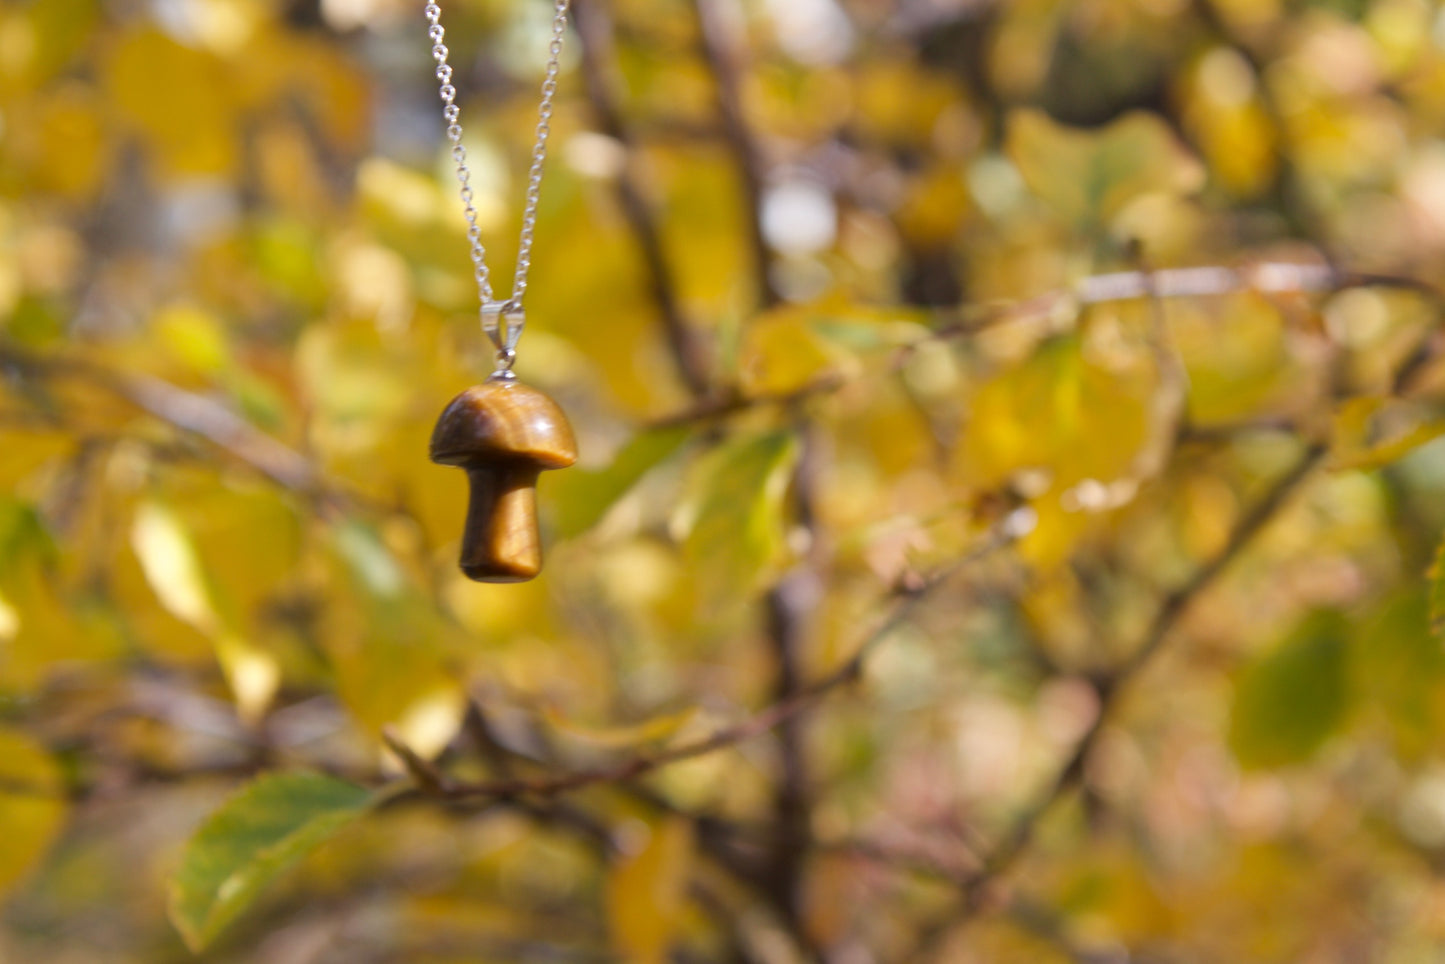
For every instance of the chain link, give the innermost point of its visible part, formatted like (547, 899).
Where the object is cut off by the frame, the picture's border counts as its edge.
(508, 312)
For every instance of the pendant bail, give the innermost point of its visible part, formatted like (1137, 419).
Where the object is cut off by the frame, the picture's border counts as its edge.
(503, 322)
(503, 372)
(496, 315)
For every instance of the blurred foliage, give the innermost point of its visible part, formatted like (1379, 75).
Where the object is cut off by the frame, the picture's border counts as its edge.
(1040, 568)
(249, 840)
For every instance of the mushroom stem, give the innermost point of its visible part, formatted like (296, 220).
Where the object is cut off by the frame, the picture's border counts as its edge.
(500, 542)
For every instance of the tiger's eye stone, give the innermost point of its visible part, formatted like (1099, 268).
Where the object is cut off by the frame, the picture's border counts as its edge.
(504, 435)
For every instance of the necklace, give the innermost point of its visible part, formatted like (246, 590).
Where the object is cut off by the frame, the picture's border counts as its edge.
(502, 433)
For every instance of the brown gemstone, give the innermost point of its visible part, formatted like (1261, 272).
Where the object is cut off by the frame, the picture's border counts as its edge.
(504, 434)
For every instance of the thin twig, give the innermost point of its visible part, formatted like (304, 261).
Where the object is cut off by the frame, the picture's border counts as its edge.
(790, 605)
(732, 404)
(1266, 278)
(1045, 924)
(196, 414)
(1173, 608)
(1166, 415)
(1171, 611)
(754, 726)
(220, 426)
(426, 775)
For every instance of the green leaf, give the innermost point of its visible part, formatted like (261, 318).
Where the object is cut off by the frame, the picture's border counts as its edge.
(1398, 667)
(1087, 176)
(1289, 701)
(251, 840)
(22, 534)
(1437, 595)
(733, 519)
(368, 558)
(32, 806)
(866, 328)
(581, 498)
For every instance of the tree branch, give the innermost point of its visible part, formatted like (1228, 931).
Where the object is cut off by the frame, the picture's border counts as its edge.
(555, 784)
(1173, 608)
(192, 413)
(1266, 278)
(594, 29)
(721, 52)
(790, 606)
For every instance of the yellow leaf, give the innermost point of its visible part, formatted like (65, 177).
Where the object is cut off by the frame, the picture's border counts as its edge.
(622, 736)
(168, 558)
(9, 621)
(374, 283)
(1057, 417)
(386, 644)
(289, 170)
(194, 337)
(177, 100)
(789, 348)
(1054, 535)
(900, 102)
(1223, 112)
(1235, 355)
(1116, 886)
(32, 806)
(338, 94)
(27, 452)
(1357, 437)
(935, 206)
(160, 634)
(171, 567)
(1022, 48)
(71, 153)
(1053, 603)
(783, 352)
(46, 628)
(703, 189)
(251, 672)
(358, 389)
(388, 191)
(247, 540)
(38, 40)
(496, 612)
(592, 291)
(388, 680)
(647, 893)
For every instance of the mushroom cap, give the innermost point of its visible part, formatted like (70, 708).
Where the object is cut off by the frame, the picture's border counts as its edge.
(503, 420)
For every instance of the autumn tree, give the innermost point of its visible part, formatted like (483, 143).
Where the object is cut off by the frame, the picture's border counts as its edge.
(1007, 493)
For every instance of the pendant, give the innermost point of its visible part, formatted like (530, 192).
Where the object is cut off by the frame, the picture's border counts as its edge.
(503, 434)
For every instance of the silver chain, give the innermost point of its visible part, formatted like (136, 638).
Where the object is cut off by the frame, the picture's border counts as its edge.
(494, 313)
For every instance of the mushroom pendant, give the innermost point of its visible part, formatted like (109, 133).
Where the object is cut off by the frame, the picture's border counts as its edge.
(503, 433)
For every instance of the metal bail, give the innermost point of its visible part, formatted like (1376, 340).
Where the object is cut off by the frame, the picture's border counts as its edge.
(503, 371)
(503, 322)
(496, 315)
